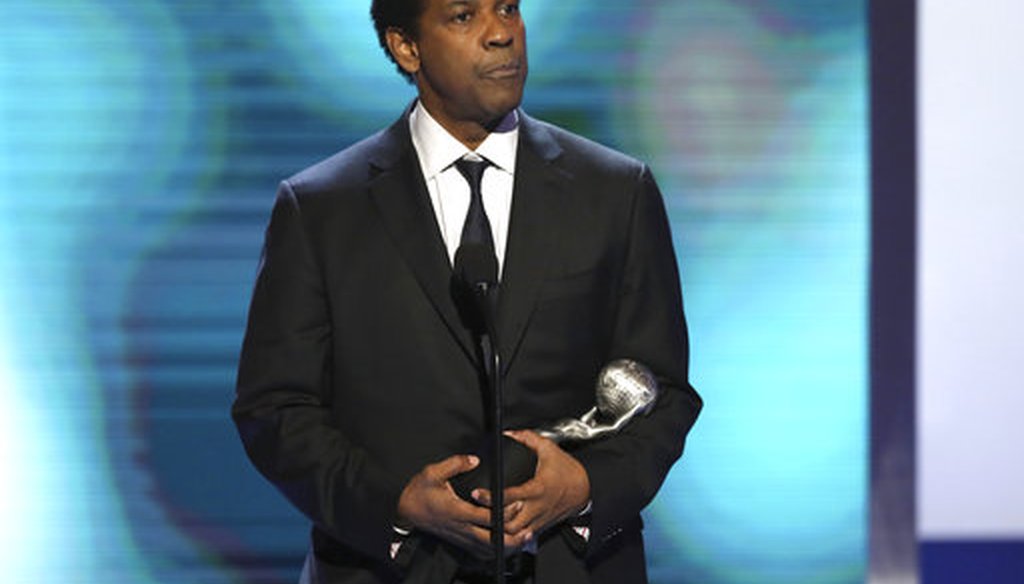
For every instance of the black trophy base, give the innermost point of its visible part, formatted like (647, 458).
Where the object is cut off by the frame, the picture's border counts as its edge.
(520, 464)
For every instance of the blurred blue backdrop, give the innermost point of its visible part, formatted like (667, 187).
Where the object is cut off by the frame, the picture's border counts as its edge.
(141, 142)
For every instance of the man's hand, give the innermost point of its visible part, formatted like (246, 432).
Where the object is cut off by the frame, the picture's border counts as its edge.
(558, 490)
(430, 504)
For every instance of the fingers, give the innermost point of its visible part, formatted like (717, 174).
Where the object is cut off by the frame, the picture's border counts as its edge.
(526, 504)
(451, 466)
(514, 543)
(530, 520)
(428, 502)
(477, 540)
(559, 489)
(513, 510)
(483, 498)
(529, 438)
(466, 512)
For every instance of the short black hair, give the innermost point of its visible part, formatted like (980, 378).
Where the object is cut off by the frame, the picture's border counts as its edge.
(401, 14)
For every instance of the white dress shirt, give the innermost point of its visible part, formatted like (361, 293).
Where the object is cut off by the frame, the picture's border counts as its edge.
(449, 192)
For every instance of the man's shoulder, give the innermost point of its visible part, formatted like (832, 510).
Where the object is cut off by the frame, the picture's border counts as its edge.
(353, 166)
(582, 152)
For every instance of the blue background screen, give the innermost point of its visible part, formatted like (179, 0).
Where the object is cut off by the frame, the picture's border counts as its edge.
(141, 142)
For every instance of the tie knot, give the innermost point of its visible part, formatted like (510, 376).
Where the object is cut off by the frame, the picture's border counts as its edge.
(472, 170)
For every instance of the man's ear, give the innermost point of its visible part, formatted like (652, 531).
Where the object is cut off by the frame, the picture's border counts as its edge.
(404, 50)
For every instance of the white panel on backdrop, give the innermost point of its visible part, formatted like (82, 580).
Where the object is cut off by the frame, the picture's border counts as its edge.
(971, 269)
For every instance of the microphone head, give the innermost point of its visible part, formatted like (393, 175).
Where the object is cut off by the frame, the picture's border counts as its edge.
(476, 266)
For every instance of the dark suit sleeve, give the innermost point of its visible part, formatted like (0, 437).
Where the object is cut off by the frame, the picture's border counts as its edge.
(282, 408)
(627, 469)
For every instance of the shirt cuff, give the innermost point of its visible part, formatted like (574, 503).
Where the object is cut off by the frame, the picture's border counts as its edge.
(396, 545)
(587, 509)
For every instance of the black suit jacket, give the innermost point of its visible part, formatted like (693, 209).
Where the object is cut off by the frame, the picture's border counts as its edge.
(356, 370)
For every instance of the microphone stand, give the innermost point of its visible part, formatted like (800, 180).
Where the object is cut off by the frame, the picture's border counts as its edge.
(492, 367)
(477, 267)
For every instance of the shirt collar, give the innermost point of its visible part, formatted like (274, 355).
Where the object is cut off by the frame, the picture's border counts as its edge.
(437, 149)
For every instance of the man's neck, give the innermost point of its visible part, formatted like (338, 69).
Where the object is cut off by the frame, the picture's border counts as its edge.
(437, 148)
(472, 135)
(469, 132)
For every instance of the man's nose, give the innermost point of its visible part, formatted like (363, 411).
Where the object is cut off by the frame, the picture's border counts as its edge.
(499, 32)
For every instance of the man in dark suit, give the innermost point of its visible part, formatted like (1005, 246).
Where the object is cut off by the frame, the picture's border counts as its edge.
(359, 387)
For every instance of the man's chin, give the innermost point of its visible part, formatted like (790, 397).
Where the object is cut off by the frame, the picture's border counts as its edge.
(499, 108)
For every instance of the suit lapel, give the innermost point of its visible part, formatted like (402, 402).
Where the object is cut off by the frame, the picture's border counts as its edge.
(401, 197)
(534, 230)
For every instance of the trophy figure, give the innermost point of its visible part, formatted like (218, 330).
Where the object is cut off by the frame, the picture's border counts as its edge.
(624, 390)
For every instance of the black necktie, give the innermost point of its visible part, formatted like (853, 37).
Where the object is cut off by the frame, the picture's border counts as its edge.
(476, 229)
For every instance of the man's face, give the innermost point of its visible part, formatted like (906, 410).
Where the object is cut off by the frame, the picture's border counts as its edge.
(469, 59)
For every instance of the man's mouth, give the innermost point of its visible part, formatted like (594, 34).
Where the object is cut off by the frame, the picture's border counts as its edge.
(506, 70)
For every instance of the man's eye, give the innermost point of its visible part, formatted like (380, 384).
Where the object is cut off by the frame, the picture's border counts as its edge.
(462, 17)
(510, 9)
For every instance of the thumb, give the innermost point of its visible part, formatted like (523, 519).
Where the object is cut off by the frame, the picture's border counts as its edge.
(529, 438)
(454, 465)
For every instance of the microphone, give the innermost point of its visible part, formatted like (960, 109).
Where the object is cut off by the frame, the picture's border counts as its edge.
(476, 276)
(476, 267)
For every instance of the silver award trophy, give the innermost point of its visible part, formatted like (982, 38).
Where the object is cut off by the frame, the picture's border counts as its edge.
(625, 389)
